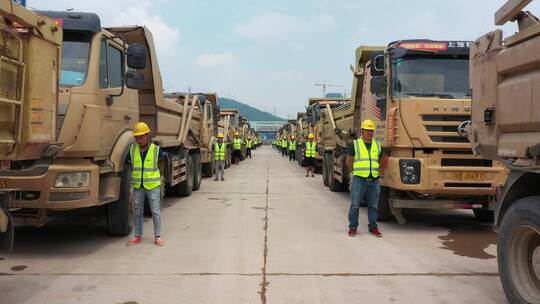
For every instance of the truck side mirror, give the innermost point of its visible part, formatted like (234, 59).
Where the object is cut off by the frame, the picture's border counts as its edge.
(136, 56)
(377, 66)
(378, 85)
(134, 80)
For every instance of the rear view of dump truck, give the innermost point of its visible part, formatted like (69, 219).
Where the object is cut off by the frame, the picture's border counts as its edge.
(417, 93)
(109, 80)
(505, 81)
(29, 54)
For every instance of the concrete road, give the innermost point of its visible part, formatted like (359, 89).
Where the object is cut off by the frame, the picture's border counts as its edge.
(265, 235)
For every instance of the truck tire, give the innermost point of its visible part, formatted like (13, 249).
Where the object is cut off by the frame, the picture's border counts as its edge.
(326, 173)
(484, 215)
(208, 169)
(120, 213)
(197, 171)
(384, 212)
(185, 187)
(518, 251)
(333, 184)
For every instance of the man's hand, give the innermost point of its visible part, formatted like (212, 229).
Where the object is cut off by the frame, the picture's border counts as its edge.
(349, 162)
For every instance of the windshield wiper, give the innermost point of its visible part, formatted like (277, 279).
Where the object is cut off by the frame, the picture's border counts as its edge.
(432, 94)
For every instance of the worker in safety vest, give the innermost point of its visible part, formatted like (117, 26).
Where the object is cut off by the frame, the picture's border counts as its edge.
(249, 146)
(146, 182)
(292, 149)
(237, 148)
(284, 145)
(220, 153)
(311, 152)
(363, 161)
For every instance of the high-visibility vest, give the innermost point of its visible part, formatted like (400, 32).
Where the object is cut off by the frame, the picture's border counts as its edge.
(219, 151)
(292, 145)
(311, 149)
(145, 172)
(237, 144)
(366, 162)
(249, 144)
(284, 143)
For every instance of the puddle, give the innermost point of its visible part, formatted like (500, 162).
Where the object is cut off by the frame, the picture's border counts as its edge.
(468, 239)
(19, 267)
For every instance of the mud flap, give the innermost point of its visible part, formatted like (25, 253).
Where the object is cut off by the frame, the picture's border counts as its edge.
(7, 229)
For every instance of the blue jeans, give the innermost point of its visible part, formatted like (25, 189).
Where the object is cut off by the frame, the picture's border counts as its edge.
(370, 190)
(154, 198)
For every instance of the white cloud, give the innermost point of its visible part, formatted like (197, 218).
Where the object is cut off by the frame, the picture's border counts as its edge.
(215, 60)
(123, 12)
(276, 28)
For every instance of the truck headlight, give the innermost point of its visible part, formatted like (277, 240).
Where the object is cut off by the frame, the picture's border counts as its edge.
(409, 170)
(72, 180)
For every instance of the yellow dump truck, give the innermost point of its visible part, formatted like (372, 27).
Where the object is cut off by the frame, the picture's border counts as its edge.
(29, 69)
(312, 124)
(417, 93)
(505, 81)
(204, 129)
(109, 80)
(228, 125)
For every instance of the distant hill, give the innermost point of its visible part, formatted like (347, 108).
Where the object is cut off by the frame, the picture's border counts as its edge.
(251, 113)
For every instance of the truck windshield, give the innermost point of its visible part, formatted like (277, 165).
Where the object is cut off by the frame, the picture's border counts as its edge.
(75, 56)
(430, 77)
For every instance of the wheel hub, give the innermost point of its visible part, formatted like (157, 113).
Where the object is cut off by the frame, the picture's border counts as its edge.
(535, 261)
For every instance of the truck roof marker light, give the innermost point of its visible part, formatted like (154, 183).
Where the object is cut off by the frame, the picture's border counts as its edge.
(425, 46)
(59, 22)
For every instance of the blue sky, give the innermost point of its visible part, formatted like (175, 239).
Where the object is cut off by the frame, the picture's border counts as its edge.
(271, 54)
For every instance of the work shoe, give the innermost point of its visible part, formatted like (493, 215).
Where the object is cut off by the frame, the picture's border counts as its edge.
(216, 179)
(159, 241)
(134, 241)
(307, 175)
(352, 232)
(375, 232)
(312, 175)
(223, 179)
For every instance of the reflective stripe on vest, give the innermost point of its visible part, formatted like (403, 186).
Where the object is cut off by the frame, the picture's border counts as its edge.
(147, 171)
(292, 145)
(237, 144)
(249, 144)
(219, 152)
(366, 162)
(311, 149)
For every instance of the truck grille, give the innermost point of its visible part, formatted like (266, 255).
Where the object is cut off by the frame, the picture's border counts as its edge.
(443, 128)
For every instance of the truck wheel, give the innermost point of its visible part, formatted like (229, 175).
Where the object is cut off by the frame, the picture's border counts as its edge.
(484, 215)
(197, 171)
(208, 169)
(333, 184)
(384, 212)
(120, 213)
(518, 251)
(185, 187)
(325, 169)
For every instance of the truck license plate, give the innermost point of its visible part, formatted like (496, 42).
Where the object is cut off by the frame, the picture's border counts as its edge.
(469, 176)
(4, 183)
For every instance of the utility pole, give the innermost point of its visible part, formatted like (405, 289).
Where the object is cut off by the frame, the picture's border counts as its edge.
(325, 85)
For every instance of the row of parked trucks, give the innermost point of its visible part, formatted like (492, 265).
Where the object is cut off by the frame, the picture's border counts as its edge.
(70, 92)
(459, 124)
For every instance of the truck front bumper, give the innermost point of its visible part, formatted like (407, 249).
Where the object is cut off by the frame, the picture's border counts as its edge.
(446, 180)
(39, 191)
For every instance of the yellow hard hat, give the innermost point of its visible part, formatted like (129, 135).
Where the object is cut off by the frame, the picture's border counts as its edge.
(311, 135)
(236, 133)
(368, 124)
(220, 135)
(140, 128)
